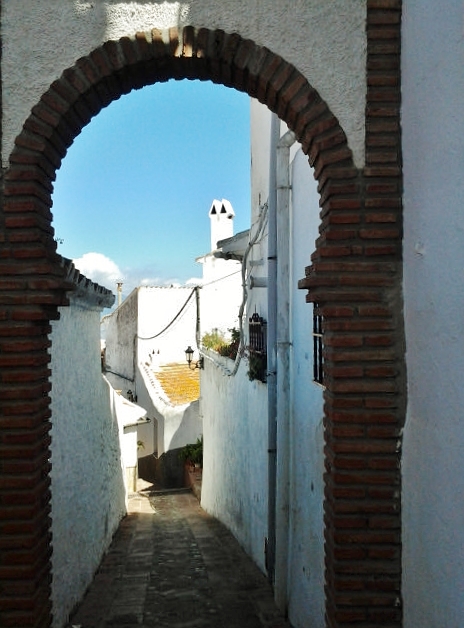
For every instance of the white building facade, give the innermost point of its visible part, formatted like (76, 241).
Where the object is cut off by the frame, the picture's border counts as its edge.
(243, 481)
(86, 447)
(385, 76)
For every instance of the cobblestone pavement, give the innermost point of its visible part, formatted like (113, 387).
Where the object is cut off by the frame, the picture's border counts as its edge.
(172, 565)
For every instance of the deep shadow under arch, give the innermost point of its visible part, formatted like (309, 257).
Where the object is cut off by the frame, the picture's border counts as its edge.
(354, 277)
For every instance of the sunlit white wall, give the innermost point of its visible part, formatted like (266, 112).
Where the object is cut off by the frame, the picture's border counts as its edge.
(87, 484)
(432, 465)
(235, 479)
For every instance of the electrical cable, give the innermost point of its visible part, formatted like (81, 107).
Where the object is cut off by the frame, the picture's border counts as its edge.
(203, 285)
(173, 320)
(261, 225)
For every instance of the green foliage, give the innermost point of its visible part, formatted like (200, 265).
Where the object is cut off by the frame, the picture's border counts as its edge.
(193, 452)
(216, 341)
(257, 366)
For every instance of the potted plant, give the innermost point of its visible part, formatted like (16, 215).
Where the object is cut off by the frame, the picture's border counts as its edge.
(192, 453)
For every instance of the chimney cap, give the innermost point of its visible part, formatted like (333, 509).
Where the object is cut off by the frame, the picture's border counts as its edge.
(221, 208)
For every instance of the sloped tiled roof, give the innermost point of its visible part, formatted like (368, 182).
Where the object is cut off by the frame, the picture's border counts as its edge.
(180, 384)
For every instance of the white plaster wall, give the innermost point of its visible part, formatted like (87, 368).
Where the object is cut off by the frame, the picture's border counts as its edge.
(157, 308)
(433, 478)
(236, 429)
(324, 40)
(147, 311)
(220, 295)
(176, 426)
(234, 487)
(260, 144)
(120, 331)
(234, 409)
(306, 530)
(260, 124)
(88, 493)
(148, 433)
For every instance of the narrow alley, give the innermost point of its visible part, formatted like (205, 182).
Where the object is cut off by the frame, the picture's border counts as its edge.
(172, 565)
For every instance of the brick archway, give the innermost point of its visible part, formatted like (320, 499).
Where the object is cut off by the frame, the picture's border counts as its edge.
(354, 277)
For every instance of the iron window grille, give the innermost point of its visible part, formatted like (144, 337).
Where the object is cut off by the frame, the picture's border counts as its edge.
(318, 362)
(257, 348)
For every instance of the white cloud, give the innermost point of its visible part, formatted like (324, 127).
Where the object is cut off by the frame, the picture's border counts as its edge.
(100, 269)
(104, 271)
(194, 281)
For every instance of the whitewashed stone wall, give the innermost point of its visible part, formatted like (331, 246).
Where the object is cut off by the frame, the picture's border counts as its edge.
(325, 40)
(432, 465)
(306, 530)
(176, 425)
(157, 308)
(220, 295)
(235, 475)
(235, 458)
(134, 350)
(87, 484)
(120, 330)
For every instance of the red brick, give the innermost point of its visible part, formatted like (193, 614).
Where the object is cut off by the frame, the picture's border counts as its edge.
(385, 446)
(384, 4)
(383, 233)
(364, 386)
(382, 249)
(383, 17)
(348, 431)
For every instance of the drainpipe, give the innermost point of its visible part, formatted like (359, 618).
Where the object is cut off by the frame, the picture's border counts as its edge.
(283, 362)
(271, 346)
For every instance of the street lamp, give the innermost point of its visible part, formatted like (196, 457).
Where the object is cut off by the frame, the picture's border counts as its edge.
(189, 356)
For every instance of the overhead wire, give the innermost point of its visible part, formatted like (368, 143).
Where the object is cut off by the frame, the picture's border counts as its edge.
(173, 320)
(260, 228)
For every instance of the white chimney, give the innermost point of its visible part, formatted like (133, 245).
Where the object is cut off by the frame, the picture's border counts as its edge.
(221, 215)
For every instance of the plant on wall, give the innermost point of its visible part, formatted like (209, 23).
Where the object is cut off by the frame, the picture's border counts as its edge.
(230, 350)
(257, 366)
(193, 452)
(257, 349)
(216, 341)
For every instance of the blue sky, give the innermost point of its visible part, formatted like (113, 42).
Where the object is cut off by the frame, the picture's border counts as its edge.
(136, 185)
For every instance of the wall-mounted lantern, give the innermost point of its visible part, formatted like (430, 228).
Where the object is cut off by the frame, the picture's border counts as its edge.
(189, 356)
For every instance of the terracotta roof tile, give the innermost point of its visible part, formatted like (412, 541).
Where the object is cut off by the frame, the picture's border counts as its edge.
(180, 384)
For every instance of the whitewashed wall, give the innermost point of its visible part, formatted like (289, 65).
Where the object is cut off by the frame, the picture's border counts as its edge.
(235, 475)
(324, 40)
(234, 412)
(120, 332)
(87, 485)
(175, 425)
(235, 456)
(433, 478)
(157, 307)
(220, 295)
(306, 530)
(132, 327)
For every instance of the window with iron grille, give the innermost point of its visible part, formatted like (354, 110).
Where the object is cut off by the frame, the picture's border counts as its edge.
(257, 348)
(318, 370)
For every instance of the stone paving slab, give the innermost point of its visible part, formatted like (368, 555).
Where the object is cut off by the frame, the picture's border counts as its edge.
(173, 566)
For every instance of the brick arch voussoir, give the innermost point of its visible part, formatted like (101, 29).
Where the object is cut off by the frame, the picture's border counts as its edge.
(117, 67)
